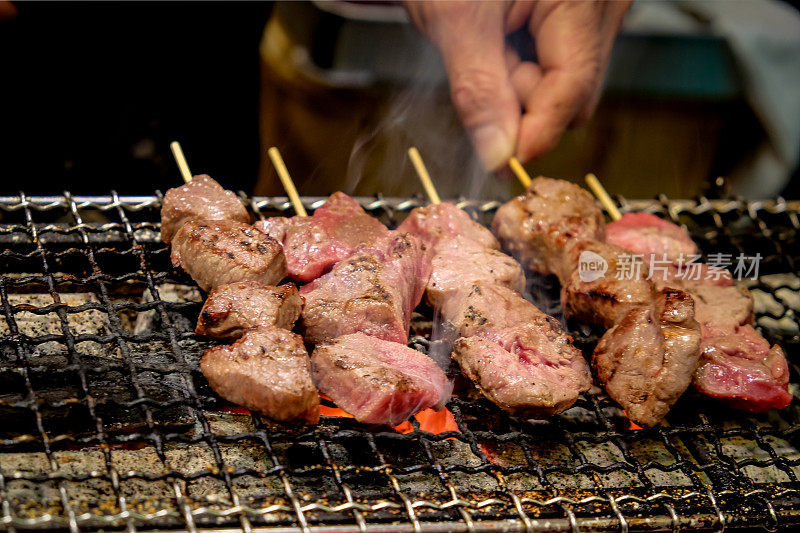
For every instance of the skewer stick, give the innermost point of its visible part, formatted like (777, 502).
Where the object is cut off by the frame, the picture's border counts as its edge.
(519, 171)
(424, 177)
(286, 180)
(177, 152)
(600, 191)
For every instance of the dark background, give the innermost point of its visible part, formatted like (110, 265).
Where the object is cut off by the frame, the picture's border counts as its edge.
(92, 94)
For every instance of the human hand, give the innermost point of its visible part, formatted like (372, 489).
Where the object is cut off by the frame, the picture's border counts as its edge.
(513, 107)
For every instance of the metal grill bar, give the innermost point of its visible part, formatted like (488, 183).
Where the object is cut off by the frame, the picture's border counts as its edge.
(153, 447)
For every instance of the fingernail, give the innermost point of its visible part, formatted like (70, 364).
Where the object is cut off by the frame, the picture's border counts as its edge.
(493, 146)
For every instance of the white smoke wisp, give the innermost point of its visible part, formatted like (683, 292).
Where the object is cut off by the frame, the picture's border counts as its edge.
(419, 113)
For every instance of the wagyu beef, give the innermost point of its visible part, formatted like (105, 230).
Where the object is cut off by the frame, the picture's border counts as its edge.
(312, 245)
(377, 381)
(216, 252)
(372, 292)
(267, 371)
(200, 199)
(233, 308)
(536, 227)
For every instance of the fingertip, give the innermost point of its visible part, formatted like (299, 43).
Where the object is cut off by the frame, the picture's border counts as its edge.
(493, 145)
(536, 139)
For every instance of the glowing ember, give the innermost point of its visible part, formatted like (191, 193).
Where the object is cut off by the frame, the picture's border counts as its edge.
(234, 410)
(429, 420)
(632, 426)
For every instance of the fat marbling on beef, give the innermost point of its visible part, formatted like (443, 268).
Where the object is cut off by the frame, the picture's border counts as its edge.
(440, 223)
(621, 284)
(334, 232)
(217, 252)
(737, 364)
(555, 227)
(231, 309)
(647, 359)
(651, 236)
(536, 226)
(378, 381)
(517, 356)
(372, 292)
(201, 199)
(268, 371)
(461, 260)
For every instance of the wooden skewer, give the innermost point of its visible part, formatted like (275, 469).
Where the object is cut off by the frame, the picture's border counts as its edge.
(520, 172)
(177, 152)
(600, 191)
(286, 180)
(424, 177)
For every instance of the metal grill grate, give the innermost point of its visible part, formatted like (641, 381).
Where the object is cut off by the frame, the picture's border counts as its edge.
(106, 422)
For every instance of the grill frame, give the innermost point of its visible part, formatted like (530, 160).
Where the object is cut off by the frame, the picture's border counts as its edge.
(719, 495)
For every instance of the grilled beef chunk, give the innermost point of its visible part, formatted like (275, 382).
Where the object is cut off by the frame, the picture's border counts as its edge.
(268, 371)
(459, 261)
(605, 300)
(737, 364)
(647, 360)
(200, 199)
(519, 357)
(373, 292)
(649, 235)
(216, 252)
(233, 308)
(443, 222)
(377, 381)
(312, 245)
(536, 226)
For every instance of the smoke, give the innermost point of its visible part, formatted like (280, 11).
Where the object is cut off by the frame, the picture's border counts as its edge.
(417, 111)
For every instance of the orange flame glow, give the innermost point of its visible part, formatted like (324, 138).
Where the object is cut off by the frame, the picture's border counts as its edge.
(429, 420)
(632, 426)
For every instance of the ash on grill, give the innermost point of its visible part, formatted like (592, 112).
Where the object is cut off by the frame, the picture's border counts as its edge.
(106, 421)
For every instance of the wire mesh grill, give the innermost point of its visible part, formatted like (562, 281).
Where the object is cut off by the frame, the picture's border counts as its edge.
(107, 423)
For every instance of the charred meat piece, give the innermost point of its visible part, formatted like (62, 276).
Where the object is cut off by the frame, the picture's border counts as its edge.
(217, 252)
(535, 227)
(606, 283)
(200, 199)
(647, 360)
(523, 370)
(233, 308)
(312, 245)
(267, 371)
(372, 292)
(737, 364)
(517, 356)
(460, 261)
(377, 381)
(649, 235)
(436, 223)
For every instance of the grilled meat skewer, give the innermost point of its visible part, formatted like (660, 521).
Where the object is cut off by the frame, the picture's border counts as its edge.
(518, 357)
(555, 226)
(200, 199)
(737, 365)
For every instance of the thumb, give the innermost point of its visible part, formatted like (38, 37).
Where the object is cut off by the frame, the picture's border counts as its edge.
(472, 44)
